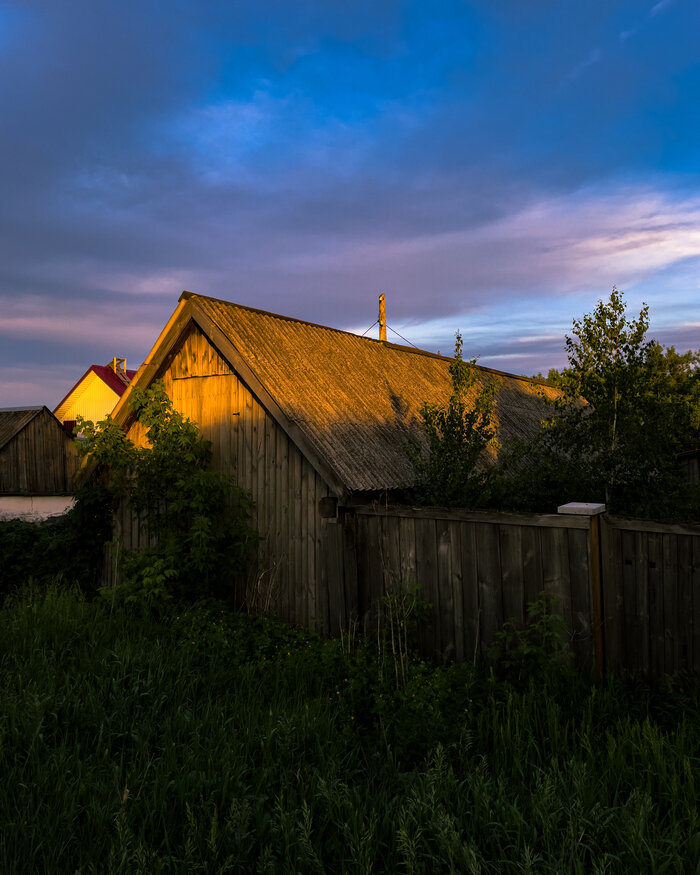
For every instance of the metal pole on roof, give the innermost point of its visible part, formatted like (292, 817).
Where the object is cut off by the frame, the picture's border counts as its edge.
(382, 317)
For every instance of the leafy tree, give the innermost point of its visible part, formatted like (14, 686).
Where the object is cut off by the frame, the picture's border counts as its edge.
(197, 519)
(451, 471)
(629, 406)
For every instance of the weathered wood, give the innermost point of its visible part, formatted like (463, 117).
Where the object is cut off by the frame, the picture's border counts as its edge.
(470, 591)
(670, 602)
(445, 589)
(555, 571)
(457, 589)
(426, 574)
(655, 585)
(685, 603)
(488, 563)
(586, 600)
(40, 458)
(612, 588)
(351, 566)
(631, 625)
(652, 526)
(641, 586)
(549, 520)
(511, 544)
(695, 624)
(533, 581)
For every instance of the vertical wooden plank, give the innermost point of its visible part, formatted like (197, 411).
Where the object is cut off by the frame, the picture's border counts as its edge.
(332, 579)
(488, 563)
(533, 581)
(457, 593)
(351, 566)
(445, 592)
(311, 541)
(511, 545)
(584, 573)
(632, 623)
(555, 572)
(684, 615)
(283, 554)
(407, 552)
(470, 592)
(695, 622)
(656, 604)
(670, 602)
(302, 595)
(612, 588)
(427, 575)
(641, 567)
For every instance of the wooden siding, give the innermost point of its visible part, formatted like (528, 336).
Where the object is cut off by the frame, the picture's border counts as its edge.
(299, 559)
(39, 460)
(477, 570)
(651, 591)
(629, 590)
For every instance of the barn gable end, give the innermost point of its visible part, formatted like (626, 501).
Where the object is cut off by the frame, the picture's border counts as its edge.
(297, 544)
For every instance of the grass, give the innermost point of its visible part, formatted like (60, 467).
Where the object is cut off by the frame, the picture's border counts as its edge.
(212, 742)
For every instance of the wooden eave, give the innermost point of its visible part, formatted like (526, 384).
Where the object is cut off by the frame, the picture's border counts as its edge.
(187, 314)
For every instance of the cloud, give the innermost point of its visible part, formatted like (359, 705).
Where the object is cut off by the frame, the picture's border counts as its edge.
(659, 7)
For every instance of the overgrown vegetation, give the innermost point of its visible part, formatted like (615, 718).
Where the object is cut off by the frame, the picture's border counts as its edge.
(197, 519)
(209, 741)
(68, 548)
(628, 408)
(451, 469)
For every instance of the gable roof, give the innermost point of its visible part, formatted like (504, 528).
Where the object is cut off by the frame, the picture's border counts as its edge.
(116, 381)
(14, 419)
(350, 403)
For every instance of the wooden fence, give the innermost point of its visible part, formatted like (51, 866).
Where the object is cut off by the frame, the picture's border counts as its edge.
(629, 591)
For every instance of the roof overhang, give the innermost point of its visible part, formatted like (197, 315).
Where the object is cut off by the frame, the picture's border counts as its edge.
(185, 315)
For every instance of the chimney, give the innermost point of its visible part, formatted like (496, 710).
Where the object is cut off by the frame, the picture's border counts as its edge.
(382, 317)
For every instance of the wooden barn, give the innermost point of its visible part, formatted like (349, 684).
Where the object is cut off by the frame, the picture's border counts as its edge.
(37, 463)
(313, 421)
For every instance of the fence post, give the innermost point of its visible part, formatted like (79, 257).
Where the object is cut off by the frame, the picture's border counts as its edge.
(593, 511)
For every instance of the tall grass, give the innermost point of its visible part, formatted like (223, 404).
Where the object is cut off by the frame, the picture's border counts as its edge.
(214, 742)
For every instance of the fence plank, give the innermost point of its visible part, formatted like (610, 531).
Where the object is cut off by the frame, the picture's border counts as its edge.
(685, 602)
(642, 590)
(582, 575)
(695, 578)
(555, 570)
(670, 602)
(446, 596)
(457, 592)
(533, 581)
(470, 591)
(656, 603)
(427, 573)
(488, 563)
(511, 543)
(630, 629)
(612, 588)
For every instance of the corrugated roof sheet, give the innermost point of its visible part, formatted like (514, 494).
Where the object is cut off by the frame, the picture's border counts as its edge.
(358, 400)
(13, 420)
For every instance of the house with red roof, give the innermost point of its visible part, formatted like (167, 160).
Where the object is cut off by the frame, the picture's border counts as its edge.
(95, 394)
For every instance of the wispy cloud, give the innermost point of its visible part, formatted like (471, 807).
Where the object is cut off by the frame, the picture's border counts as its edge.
(593, 57)
(659, 7)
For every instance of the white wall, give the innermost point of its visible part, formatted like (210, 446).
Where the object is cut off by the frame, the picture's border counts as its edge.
(34, 507)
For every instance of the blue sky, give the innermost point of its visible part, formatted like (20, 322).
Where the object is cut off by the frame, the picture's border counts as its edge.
(493, 167)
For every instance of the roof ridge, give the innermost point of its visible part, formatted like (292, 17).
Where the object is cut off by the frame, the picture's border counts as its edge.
(386, 344)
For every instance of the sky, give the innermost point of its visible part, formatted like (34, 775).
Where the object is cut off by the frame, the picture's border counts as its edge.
(493, 167)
